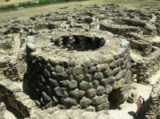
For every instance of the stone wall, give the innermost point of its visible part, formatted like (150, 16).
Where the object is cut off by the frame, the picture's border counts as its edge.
(154, 106)
(90, 85)
(11, 94)
(9, 70)
(144, 69)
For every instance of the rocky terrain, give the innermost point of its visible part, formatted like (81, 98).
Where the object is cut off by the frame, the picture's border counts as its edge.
(74, 65)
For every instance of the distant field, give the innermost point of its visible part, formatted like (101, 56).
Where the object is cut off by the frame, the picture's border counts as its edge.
(150, 5)
(6, 2)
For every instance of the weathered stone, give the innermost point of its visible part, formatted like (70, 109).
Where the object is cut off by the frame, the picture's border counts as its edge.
(64, 62)
(132, 96)
(31, 47)
(124, 43)
(106, 81)
(54, 62)
(99, 100)
(117, 63)
(59, 76)
(48, 90)
(85, 102)
(127, 86)
(53, 82)
(100, 90)
(96, 58)
(121, 51)
(102, 67)
(108, 73)
(121, 74)
(108, 89)
(90, 109)
(116, 71)
(30, 39)
(46, 97)
(79, 77)
(103, 106)
(128, 76)
(48, 104)
(77, 70)
(72, 84)
(77, 93)
(118, 84)
(88, 77)
(85, 85)
(85, 70)
(87, 63)
(95, 83)
(91, 92)
(42, 79)
(94, 61)
(98, 75)
(69, 101)
(46, 73)
(61, 92)
(55, 100)
(59, 69)
(92, 69)
(71, 63)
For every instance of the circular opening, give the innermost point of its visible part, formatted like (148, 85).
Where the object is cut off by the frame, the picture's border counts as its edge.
(80, 43)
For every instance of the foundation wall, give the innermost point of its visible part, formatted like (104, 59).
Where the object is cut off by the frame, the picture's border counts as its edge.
(154, 106)
(145, 69)
(11, 94)
(88, 85)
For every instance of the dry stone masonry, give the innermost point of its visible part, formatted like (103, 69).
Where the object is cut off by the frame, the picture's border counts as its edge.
(91, 67)
(154, 106)
(78, 59)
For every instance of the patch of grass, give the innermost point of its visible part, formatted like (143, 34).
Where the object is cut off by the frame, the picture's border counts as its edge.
(150, 5)
(27, 4)
(7, 7)
(31, 3)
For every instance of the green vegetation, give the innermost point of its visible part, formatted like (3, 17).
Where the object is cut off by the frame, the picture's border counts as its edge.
(30, 4)
(6, 7)
(27, 4)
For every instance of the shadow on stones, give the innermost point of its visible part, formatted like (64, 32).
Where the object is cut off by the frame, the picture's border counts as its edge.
(14, 112)
(114, 99)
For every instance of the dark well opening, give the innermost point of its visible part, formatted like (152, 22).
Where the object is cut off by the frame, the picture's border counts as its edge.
(115, 98)
(79, 42)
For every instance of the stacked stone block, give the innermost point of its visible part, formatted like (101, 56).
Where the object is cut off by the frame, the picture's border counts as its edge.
(153, 111)
(9, 70)
(11, 94)
(145, 69)
(54, 82)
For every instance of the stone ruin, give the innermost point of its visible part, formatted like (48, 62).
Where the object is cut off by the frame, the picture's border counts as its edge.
(82, 58)
(153, 111)
(80, 69)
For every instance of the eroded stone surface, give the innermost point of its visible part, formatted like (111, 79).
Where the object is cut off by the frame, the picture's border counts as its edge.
(75, 58)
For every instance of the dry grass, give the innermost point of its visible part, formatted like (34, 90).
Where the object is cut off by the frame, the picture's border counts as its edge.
(26, 12)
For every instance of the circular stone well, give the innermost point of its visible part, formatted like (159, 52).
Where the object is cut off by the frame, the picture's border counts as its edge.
(80, 69)
(80, 42)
